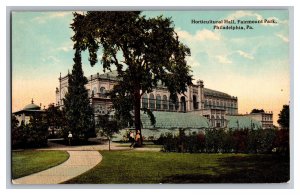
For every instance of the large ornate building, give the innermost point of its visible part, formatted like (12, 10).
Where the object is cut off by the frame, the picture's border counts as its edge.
(211, 104)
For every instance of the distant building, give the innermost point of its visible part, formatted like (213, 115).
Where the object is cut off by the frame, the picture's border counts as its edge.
(203, 102)
(265, 118)
(27, 112)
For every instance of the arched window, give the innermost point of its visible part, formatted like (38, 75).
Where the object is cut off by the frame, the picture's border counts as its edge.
(182, 104)
(158, 102)
(95, 90)
(145, 101)
(152, 102)
(218, 123)
(195, 102)
(212, 120)
(165, 102)
(176, 103)
(222, 121)
(171, 104)
(102, 90)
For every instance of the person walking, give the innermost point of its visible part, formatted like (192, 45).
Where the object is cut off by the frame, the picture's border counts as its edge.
(70, 137)
(138, 138)
(131, 139)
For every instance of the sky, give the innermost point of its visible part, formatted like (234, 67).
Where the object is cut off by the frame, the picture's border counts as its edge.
(252, 64)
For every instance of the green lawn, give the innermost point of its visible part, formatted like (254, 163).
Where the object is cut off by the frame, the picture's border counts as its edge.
(31, 161)
(130, 167)
(126, 145)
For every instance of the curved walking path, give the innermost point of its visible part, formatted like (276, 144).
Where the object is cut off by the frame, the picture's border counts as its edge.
(81, 159)
(78, 163)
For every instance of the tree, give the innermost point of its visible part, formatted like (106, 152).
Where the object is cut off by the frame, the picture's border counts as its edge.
(16, 133)
(55, 117)
(109, 126)
(257, 111)
(78, 111)
(284, 117)
(32, 135)
(145, 51)
(282, 138)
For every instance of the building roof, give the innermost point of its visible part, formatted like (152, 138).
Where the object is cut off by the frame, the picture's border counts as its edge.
(111, 75)
(175, 120)
(242, 122)
(31, 106)
(210, 92)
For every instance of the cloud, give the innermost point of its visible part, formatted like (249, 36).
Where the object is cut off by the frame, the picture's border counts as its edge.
(191, 61)
(201, 35)
(282, 37)
(51, 59)
(223, 59)
(49, 16)
(65, 48)
(245, 55)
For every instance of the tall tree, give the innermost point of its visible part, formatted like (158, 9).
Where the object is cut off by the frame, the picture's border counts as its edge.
(284, 117)
(145, 51)
(77, 108)
(55, 117)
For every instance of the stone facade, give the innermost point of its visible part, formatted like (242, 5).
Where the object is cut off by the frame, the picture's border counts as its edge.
(266, 119)
(213, 105)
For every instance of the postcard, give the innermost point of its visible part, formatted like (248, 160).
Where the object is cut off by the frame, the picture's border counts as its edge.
(150, 97)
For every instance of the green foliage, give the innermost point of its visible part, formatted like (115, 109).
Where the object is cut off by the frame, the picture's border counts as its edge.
(214, 140)
(257, 111)
(55, 119)
(281, 142)
(284, 117)
(219, 140)
(109, 126)
(31, 161)
(79, 116)
(32, 135)
(150, 50)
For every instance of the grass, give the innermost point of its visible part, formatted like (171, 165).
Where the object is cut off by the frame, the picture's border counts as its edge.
(126, 145)
(128, 167)
(31, 161)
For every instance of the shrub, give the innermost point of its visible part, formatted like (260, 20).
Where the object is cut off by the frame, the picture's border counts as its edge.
(32, 135)
(219, 140)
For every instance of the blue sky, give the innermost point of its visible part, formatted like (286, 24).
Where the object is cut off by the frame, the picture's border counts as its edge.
(250, 64)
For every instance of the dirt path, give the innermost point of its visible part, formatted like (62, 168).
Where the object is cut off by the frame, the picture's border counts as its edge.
(78, 163)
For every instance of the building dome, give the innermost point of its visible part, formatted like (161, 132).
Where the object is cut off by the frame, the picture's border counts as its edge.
(32, 106)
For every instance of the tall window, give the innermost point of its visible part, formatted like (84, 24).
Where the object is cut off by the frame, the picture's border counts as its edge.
(195, 102)
(152, 102)
(165, 102)
(102, 90)
(213, 120)
(158, 102)
(145, 101)
(182, 104)
(95, 90)
(176, 104)
(171, 105)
